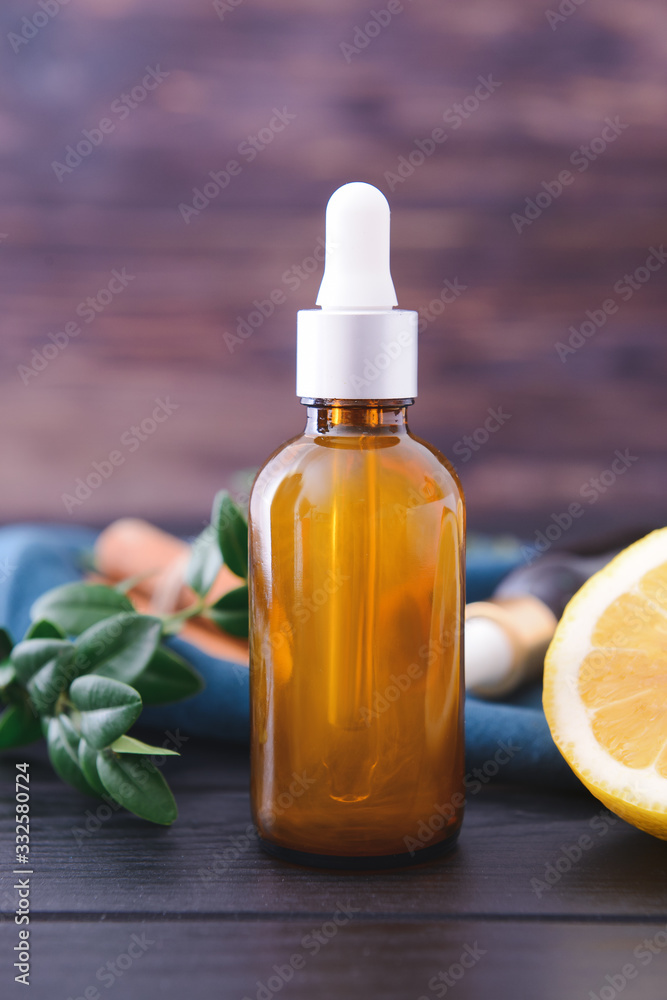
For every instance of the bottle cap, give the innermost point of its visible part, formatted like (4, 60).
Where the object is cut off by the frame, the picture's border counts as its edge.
(357, 345)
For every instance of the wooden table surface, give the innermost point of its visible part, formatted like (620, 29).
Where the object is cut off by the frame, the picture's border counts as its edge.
(208, 915)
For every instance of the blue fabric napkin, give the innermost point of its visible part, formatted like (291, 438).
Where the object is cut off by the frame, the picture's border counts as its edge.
(507, 741)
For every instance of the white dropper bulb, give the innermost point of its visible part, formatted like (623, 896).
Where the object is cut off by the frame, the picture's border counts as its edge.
(357, 345)
(357, 273)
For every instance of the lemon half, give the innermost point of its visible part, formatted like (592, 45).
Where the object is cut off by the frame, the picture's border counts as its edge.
(605, 684)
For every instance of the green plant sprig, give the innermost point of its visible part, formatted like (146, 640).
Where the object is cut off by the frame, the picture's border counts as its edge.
(89, 662)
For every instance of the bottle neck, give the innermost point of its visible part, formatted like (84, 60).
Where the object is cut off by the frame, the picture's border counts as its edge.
(354, 416)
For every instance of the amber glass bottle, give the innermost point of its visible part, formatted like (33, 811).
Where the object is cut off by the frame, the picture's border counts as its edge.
(357, 590)
(356, 535)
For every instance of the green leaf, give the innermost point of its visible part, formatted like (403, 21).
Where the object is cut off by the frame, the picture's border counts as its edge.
(167, 678)
(54, 678)
(234, 622)
(7, 674)
(137, 784)
(87, 759)
(232, 530)
(108, 708)
(44, 629)
(233, 600)
(77, 606)
(63, 743)
(128, 744)
(119, 647)
(205, 562)
(30, 655)
(6, 644)
(18, 726)
(231, 612)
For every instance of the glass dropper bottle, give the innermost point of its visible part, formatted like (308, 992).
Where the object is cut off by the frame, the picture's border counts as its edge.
(357, 592)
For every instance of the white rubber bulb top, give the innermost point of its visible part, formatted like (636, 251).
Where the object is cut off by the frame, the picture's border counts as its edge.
(357, 272)
(357, 346)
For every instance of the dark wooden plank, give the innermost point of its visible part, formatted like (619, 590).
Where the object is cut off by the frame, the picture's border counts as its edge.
(357, 960)
(494, 346)
(209, 861)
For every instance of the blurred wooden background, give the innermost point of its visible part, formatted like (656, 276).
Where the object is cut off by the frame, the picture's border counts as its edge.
(163, 335)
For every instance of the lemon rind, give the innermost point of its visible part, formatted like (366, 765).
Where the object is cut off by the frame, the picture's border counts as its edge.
(641, 789)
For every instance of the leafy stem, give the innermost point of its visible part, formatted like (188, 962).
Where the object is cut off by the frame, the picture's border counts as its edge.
(90, 662)
(172, 623)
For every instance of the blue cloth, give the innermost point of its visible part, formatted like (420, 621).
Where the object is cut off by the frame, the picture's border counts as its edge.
(510, 741)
